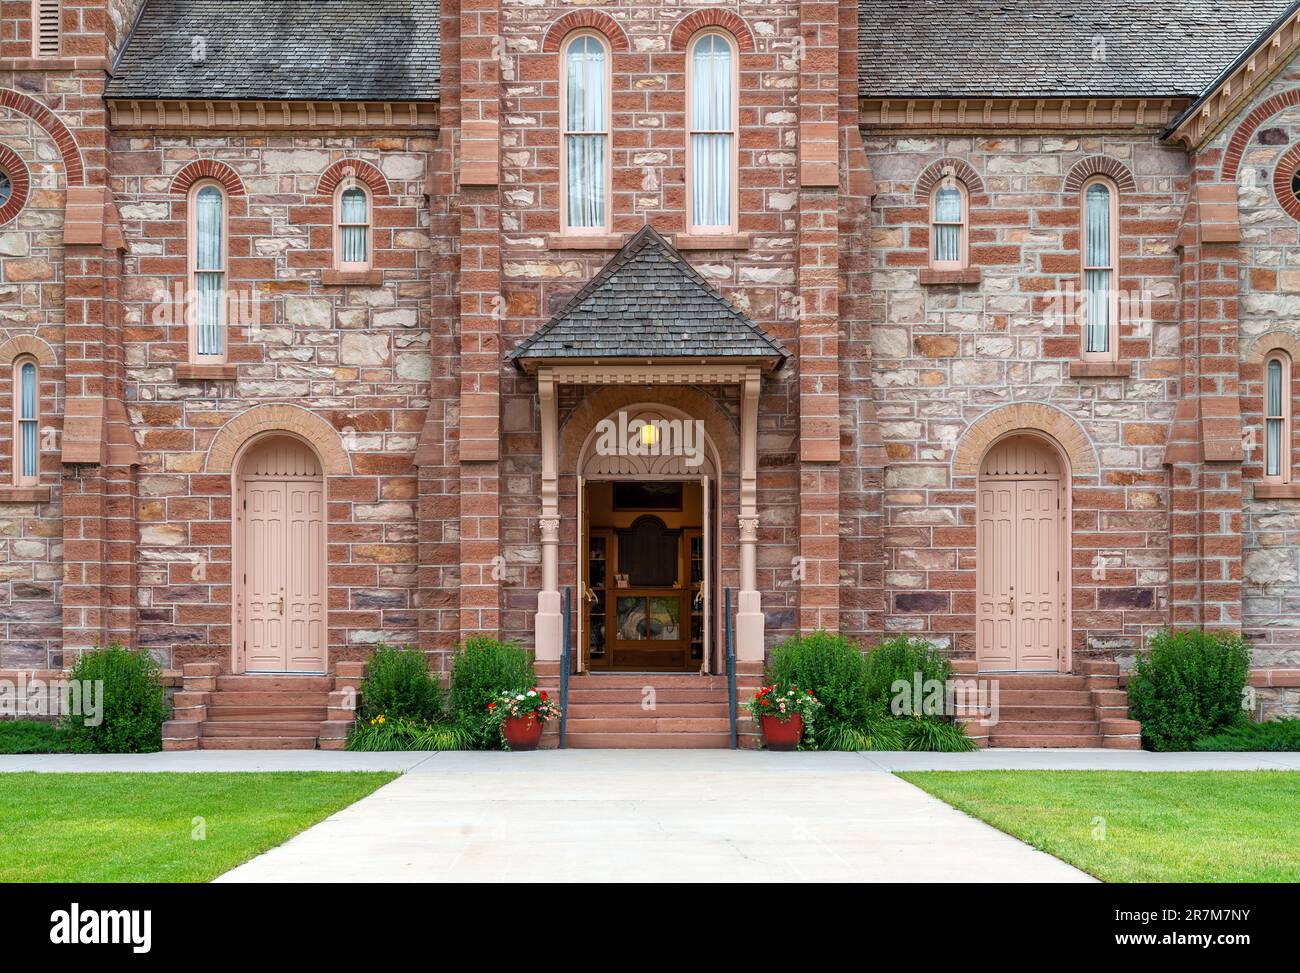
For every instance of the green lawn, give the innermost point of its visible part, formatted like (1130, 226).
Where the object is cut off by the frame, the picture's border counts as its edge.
(1210, 826)
(145, 828)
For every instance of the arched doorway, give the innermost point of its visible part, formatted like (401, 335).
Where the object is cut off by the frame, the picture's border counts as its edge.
(1022, 560)
(280, 558)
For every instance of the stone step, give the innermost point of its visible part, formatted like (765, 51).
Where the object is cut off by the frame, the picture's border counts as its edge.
(257, 743)
(629, 695)
(653, 726)
(1043, 697)
(243, 698)
(1120, 727)
(662, 710)
(275, 683)
(1069, 713)
(648, 741)
(636, 680)
(1122, 743)
(220, 713)
(1032, 741)
(1043, 728)
(1033, 680)
(261, 728)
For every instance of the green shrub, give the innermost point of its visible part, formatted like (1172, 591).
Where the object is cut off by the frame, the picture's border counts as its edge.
(480, 671)
(373, 736)
(399, 686)
(902, 658)
(133, 705)
(1275, 736)
(1187, 686)
(832, 666)
(32, 736)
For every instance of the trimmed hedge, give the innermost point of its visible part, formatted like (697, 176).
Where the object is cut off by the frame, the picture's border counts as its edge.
(1188, 685)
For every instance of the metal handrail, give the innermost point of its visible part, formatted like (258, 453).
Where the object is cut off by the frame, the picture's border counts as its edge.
(564, 664)
(731, 668)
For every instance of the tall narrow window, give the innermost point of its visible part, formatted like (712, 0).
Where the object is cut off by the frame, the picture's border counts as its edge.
(208, 262)
(712, 134)
(948, 224)
(1101, 300)
(26, 419)
(1277, 418)
(586, 133)
(46, 30)
(352, 243)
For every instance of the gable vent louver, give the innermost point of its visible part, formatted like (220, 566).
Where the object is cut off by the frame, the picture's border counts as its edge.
(47, 28)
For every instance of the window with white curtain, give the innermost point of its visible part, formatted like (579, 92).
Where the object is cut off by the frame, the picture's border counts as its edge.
(26, 420)
(208, 260)
(712, 123)
(948, 224)
(1100, 330)
(1277, 418)
(586, 133)
(352, 243)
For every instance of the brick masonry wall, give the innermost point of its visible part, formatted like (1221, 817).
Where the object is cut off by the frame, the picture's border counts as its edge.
(945, 356)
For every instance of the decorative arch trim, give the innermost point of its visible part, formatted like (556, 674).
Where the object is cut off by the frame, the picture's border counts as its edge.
(208, 169)
(576, 429)
(693, 23)
(314, 430)
(1282, 172)
(356, 169)
(26, 344)
(1272, 341)
(935, 171)
(68, 149)
(589, 20)
(1249, 125)
(1100, 165)
(1028, 418)
(19, 183)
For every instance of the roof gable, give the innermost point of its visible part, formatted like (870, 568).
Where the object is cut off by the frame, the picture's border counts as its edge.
(648, 302)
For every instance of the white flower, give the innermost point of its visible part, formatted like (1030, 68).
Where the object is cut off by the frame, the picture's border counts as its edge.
(520, 696)
(530, 693)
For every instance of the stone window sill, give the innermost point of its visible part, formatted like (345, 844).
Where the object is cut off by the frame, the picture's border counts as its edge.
(369, 278)
(967, 275)
(1277, 491)
(1100, 369)
(717, 241)
(187, 372)
(585, 241)
(16, 494)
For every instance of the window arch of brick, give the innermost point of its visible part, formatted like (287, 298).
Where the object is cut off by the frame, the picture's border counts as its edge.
(1024, 417)
(936, 171)
(585, 19)
(55, 129)
(208, 169)
(1249, 125)
(26, 344)
(1286, 168)
(693, 23)
(352, 169)
(12, 165)
(1100, 165)
(311, 428)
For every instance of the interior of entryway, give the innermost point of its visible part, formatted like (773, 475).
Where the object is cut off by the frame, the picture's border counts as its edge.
(646, 560)
(280, 559)
(1022, 560)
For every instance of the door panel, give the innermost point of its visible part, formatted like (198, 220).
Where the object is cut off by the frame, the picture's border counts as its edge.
(264, 560)
(1038, 575)
(994, 580)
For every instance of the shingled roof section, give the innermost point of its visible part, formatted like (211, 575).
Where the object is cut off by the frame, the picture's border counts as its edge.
(1046, 48)
(282, 50)
(648, 302)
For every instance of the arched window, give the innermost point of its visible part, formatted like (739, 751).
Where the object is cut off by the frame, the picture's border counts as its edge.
(1100, 251)
(948, 219)
(26, 420)
(712, 121)
(6, 187)
(352, 237)
(585, 147)
(207, 303)
(1277, 418)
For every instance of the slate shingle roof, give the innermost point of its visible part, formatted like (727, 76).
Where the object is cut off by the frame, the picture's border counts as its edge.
(286, 50)
(648, 302)
(1028, 48)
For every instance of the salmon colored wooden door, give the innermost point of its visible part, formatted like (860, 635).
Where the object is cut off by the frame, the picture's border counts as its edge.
(1021, 574)
(283, 559)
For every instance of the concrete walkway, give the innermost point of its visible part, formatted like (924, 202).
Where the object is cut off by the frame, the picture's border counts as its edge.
(651, 815)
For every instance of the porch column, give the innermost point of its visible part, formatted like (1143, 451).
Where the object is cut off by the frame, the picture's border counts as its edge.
(749, 609)
(549, 626)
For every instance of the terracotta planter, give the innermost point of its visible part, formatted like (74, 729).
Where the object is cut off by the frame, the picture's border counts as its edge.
(522, 732)
(783, 736)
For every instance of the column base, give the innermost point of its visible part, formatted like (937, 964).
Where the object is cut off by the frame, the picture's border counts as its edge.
(749, 627)
(548, 627)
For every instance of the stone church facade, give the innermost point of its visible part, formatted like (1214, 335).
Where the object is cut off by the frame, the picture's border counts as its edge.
(993, 346)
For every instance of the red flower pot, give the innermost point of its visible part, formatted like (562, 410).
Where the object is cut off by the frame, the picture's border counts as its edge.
(783, 736)
(522, 732)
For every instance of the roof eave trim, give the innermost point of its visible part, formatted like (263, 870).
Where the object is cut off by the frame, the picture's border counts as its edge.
(1034, 112)
(270, 114)
(529, 365)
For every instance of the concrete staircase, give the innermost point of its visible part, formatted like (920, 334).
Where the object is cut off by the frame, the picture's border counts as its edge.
(1053, 710)
(271, 712)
